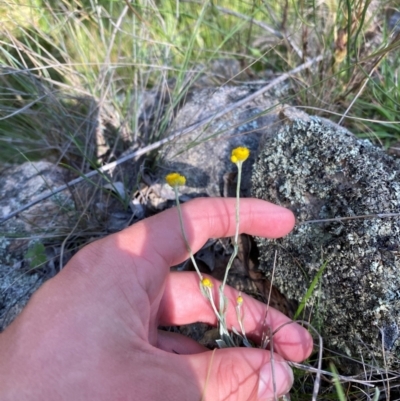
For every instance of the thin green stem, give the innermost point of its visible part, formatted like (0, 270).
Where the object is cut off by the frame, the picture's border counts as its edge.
(235, 241)
(239, 166)
(211, 299)
(188, 248)
(239, 317)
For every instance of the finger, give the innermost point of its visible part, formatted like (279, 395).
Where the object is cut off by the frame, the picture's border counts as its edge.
(183, 303)
(157, 242)
(132, 265)
(238, 374)
(178, 343)
(203, 219)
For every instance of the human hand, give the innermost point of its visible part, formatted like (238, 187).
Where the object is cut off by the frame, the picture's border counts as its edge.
(91, 332)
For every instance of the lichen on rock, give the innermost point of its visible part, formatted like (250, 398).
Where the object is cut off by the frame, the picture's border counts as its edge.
(19, 184)
(321, 172)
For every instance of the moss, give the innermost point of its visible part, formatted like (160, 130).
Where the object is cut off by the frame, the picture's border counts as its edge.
(321, 172)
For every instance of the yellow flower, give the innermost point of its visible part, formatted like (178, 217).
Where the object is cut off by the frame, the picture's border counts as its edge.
(239, 300)
(175, 179)
(207, 282)
(239, 154)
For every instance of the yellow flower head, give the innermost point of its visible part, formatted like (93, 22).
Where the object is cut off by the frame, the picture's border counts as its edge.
(239, 300)
(207, 282)
(175, 179)
(239, 154)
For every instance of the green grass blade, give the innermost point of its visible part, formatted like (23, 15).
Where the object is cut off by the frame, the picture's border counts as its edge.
(310, 290)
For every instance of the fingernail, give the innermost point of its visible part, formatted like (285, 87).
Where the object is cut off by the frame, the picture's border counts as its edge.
(283, 380)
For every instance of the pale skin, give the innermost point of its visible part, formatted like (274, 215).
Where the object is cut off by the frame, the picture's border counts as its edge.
(91, 332)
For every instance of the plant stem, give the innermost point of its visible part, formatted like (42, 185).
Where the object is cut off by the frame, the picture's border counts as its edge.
(188, 248)
(235, 241)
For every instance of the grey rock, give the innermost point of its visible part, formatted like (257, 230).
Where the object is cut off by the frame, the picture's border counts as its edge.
(323, 172)
(16, 287)
(18, 186)
(217, 73)
(203, 156)
(393, 20)
(21, 184)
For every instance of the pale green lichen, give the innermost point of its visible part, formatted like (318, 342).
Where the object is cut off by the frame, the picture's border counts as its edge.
(321, 172)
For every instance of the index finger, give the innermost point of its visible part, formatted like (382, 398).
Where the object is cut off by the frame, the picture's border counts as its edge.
(143, 253)
(203, 218)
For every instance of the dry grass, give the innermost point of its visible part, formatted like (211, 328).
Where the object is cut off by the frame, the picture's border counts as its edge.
(86, 83)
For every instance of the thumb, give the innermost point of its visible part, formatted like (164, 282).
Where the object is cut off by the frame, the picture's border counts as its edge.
(245, 374)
